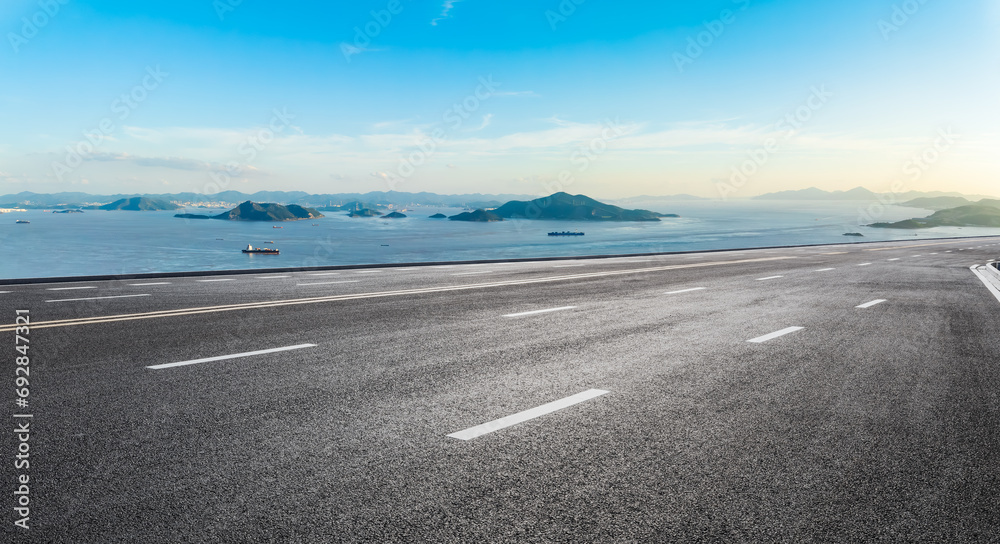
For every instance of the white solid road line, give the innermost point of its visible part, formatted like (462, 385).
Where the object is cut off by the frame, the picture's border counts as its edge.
(825, 269)
(367, 271)
(896, 259)
(70, 288)
(94, 298)
(567, 265)
(865, 264)
(533, 312)
(521, 417)
(234, 356)
(90, 320)
(870, 304)
(986, 281)
(326, 274)
(773, 335)
(471, 273)
(216, 279)
(1, 292)
(154, 283)
(327, 282)
(769, 278)
(271, 277)
(685, 290)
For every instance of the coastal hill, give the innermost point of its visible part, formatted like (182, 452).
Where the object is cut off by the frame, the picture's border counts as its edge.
(138, 203)
(478, 216)
(973, 215)
(364, 212)
(573, 207)
(937, 203)
(252, 211)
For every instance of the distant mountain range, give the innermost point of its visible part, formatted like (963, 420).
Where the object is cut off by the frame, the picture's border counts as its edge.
(860, 193)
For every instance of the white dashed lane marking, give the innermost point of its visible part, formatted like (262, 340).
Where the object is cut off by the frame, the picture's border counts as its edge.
(773, 335)
(533, 312)
(520, 417)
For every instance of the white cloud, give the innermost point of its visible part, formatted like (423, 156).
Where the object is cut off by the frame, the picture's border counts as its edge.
(445, 11)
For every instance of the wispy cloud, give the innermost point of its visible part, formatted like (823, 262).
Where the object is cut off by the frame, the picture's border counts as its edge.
(445, 11)
(487, 119)
(173, 163)
(349, 50)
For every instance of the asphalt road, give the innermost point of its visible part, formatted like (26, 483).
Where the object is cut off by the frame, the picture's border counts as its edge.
(872, 423)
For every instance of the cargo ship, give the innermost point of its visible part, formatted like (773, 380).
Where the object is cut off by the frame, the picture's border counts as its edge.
(264, 250)
(22, 221)
(566, 233)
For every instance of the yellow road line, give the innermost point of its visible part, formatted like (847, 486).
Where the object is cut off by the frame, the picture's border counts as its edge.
(335, 298)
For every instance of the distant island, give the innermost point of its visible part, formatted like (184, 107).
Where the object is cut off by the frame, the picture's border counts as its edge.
(253, 211)
(479, 216)
(364, 212)
(564, 206)
(439, 216)
(394, 215)
(138, 203)
(985, 213)
(375, 200)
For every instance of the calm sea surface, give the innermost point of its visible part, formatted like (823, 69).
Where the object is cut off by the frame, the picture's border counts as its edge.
(99, 242)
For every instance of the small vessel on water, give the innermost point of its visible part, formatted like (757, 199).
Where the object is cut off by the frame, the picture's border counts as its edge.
(22, 221)
(264, 250)
(566, 233)
(276, 227)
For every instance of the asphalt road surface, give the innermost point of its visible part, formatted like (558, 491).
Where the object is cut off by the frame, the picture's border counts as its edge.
(845, 393)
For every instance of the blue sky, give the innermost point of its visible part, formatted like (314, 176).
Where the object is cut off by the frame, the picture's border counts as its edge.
(612, 99)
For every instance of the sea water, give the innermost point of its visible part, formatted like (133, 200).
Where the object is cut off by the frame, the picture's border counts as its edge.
(125, 242)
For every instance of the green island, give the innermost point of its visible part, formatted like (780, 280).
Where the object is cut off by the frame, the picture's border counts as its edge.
(564, 206)
(253, 211)
(364, 212)
(478, 216)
